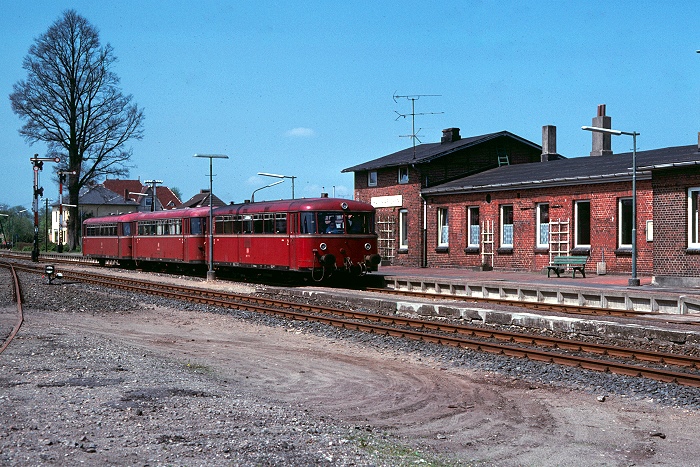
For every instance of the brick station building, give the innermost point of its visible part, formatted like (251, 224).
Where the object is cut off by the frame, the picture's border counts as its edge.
(516, 214)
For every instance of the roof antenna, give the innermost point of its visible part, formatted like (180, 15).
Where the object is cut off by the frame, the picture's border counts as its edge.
(413, 98)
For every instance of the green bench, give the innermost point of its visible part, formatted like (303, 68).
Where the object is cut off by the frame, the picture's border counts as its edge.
(560, 263)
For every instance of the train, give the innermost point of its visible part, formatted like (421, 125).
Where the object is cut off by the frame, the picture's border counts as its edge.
(315, 237)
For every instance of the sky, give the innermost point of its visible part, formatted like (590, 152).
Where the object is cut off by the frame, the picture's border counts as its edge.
(305, 89)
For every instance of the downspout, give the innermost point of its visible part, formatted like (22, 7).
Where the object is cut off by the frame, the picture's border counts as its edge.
(424, 249)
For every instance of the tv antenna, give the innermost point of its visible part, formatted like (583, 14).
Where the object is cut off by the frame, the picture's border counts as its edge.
(413, 98)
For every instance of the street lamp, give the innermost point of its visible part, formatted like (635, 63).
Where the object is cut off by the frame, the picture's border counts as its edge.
(280, 176)
(252, 197)
(211, 275)
(634, 280)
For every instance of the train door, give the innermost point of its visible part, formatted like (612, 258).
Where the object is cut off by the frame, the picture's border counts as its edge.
(292, 231)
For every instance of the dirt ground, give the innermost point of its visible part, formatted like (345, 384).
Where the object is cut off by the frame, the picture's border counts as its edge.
(473, 417)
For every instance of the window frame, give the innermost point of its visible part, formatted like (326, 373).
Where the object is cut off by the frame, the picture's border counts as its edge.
(577, 219)
(502, 209)
(401, 180)
(621, 230)
(443, 222)
(372, 181)
(403, 229)
(693, 218)
(538, 226)
(470, 223)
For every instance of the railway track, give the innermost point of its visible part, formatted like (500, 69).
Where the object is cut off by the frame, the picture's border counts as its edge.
(17, 296)
(598, 357)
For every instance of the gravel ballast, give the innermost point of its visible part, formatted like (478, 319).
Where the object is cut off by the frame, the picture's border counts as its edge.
(101, 377)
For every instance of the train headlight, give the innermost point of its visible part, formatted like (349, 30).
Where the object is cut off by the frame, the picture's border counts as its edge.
(324, 247)
(344, 206)
(368, 246)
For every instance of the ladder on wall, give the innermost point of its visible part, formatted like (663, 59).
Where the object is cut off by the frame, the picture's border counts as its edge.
(487, 243)
(558, 238)
(502, 157)
(386, 242)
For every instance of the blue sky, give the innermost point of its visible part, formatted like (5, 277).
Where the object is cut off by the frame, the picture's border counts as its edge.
(305, 88)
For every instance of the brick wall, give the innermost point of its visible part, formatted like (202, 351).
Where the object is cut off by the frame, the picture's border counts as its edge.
(525, 255)
(672, 257)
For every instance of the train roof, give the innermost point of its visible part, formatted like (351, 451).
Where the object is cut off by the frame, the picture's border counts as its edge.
(284, 205)
(139, 216)
(295, 205)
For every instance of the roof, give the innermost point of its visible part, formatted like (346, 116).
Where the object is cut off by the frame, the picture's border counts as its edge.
(165, 195)
(574, 171)
(427, 152)
(202, 199)
(99, 195)
(122, 186)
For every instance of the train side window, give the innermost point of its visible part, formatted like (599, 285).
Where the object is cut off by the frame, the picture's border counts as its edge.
(126, 229)
(269, 223)
(281, 223)
(257, 223)
(308, 223)
(196, 226)
(247, 224)
(237, 225)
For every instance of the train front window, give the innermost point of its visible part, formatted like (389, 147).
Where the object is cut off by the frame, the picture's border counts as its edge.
(331, 222)
(359, 223)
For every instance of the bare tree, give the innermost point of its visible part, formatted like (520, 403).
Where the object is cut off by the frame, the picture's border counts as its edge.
(71, 101)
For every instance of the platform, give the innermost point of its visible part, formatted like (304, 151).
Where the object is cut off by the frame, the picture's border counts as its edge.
(604, 291)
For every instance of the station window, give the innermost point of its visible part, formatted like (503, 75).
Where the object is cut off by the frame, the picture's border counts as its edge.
(403, 229)
(443, 226)
(507, 226)
(693, 218)
(582, 218)
(403, 174)
(542, 225)
(625, 222)
(474, 227)
(372, 178)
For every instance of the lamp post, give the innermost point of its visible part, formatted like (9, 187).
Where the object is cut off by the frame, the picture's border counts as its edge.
(634, 280)
(280, 176)
(211, 275)
(252, 197)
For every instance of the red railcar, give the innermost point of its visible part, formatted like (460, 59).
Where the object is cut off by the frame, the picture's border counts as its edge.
(318, 236)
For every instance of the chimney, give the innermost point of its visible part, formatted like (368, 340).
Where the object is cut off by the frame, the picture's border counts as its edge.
(601, 141)
(450, 135)
(549, 142)
(698, 141)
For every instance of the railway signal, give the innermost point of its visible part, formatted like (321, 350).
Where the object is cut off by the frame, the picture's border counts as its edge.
(38, 165)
